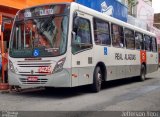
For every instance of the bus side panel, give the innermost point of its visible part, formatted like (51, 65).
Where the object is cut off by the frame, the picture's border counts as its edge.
(117, 63)
(133, 65)
(152, 62)
(113, 60)
(120, 62)
(82, 67)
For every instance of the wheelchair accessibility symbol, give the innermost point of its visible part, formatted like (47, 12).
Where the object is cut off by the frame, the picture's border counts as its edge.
(36, 53)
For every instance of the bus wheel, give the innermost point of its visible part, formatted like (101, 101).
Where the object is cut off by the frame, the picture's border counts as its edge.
(142, 76)
(97, 80)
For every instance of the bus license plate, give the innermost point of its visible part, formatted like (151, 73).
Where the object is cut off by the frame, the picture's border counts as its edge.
(32, 78)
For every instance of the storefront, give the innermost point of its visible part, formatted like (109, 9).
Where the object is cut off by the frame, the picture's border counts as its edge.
(6, 16)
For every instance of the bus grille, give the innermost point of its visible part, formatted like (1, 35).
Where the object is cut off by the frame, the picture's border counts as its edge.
(32, 65)
(39, 81)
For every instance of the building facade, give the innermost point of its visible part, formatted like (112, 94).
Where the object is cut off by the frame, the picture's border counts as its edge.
(141, 14)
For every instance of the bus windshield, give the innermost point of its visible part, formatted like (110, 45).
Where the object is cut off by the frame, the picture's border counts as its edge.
(42, 30)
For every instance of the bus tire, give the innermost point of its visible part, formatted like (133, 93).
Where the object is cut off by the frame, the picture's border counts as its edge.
(97, 80)
(142, 76)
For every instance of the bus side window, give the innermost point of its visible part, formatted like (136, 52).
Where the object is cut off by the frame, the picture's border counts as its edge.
(147, 41)
(82, 30)
(129, 38)
(101, 32)
(154, 44)
(117, 36)
(139, 41)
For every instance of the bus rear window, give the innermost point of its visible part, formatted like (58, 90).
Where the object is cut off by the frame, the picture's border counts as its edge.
(154, 44)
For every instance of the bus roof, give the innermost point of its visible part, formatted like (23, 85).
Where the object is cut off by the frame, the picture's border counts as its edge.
(58, 3)
(111, 19)
(97, 14)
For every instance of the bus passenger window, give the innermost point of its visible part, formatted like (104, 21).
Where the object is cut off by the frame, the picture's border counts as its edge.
(82, 31)
(129, 38)
(154, 44)
(139, 41)
(147, 40)
(117, 36)
(101, 32)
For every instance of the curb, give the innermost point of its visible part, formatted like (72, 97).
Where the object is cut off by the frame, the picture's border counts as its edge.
(4, 91)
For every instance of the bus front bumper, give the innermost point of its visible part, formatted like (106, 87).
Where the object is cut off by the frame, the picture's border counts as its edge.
(59, 79)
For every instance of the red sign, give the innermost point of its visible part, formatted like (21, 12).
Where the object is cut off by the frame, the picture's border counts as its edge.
(143, 56)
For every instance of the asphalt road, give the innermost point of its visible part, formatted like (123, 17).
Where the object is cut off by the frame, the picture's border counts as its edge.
(118, 95)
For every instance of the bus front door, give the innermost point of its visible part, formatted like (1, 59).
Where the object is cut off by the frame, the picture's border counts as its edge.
(82, 50)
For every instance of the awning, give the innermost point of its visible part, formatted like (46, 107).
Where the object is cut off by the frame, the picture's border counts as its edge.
(20, 4)
(17, 4)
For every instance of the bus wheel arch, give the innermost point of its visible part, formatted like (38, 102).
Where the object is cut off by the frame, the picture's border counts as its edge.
(103, 69)
(143, 70)
(99, 76)
(144, 66)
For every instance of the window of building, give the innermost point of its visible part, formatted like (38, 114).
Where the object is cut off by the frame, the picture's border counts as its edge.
(147, 40)
(129, 38)
(117, 35)
(139, 41)
(132, 7)
(154, 44)
(101, 32)
(82, 30)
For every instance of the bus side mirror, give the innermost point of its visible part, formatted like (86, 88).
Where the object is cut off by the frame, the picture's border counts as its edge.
(75, 15)
(75, 23)
(73, 37)
(76, 40)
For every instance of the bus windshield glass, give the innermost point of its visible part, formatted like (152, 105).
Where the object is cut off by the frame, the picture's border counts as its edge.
(40, 32)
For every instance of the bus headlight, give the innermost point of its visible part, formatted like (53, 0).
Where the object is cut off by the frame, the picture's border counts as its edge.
(59, 65)
(11, 67)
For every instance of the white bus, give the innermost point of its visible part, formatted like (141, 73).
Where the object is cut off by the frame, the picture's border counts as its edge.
(70, 45)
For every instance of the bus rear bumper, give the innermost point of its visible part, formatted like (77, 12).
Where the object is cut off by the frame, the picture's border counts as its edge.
(59, 79)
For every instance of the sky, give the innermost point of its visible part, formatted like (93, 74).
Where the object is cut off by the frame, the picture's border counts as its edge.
(156, 6)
